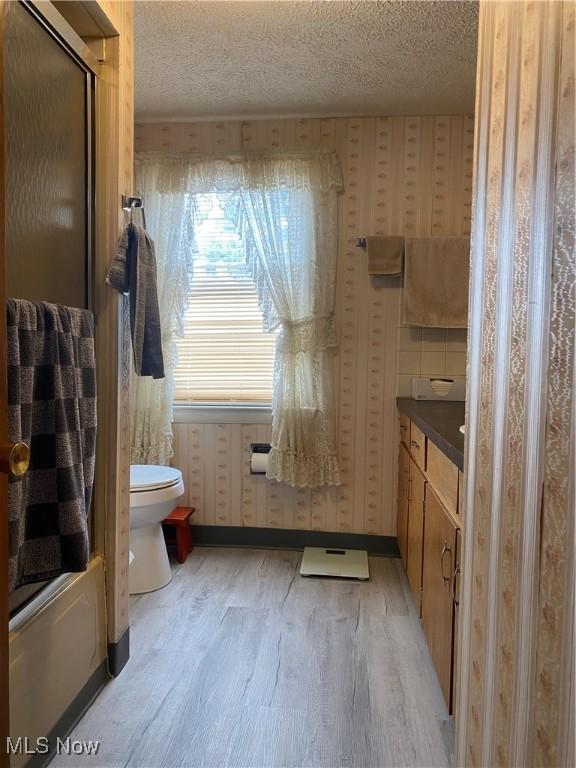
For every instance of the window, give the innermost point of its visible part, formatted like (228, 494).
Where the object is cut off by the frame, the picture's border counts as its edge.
(224, 355)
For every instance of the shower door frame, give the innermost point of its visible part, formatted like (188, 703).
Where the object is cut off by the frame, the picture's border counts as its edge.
(4, 662)
(64, 592)
(52, 22)
(107, 26)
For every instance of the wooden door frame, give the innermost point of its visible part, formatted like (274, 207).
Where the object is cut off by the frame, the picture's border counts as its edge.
(4, 662)
(114, 177)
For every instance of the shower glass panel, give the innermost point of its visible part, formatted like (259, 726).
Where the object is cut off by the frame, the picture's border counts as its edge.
(48, 111)
(47, 172)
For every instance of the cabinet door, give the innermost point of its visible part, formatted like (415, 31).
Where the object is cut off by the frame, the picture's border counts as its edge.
(437, 603)
(456, 598)
(403, 487)
(415, 531)
(461, 495)
(442, 475)
(405, 429)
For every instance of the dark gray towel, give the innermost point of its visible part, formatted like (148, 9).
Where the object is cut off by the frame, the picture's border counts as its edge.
(52, 408)
(133, 271)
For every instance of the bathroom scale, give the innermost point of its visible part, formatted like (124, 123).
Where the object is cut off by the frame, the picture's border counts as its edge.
(341, 563)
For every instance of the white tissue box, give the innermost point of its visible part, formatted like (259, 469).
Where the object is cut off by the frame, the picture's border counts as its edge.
(443, 388)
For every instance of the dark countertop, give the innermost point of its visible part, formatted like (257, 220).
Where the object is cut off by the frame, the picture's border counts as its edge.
(440, 422)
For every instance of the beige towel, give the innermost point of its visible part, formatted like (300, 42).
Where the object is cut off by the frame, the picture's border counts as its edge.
(385, 254)
(436, 272)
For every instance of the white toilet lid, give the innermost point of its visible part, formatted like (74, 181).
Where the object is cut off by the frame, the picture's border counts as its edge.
(149, 477)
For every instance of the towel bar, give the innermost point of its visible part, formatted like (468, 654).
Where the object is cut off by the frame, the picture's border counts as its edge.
(131, 202)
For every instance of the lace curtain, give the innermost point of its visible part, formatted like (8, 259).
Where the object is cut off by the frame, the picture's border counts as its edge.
(287, 215)
(290, 236)
(169, 221)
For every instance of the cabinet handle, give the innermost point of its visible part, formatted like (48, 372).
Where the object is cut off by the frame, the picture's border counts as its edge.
(445, 550)
(454, 575)
(414, 444)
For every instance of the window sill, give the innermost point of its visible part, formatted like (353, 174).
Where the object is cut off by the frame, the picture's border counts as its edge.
(221, 413)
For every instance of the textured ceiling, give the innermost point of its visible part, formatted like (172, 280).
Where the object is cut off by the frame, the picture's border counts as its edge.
(263, 58)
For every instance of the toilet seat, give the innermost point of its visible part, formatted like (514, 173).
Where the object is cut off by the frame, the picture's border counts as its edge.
(150, 477)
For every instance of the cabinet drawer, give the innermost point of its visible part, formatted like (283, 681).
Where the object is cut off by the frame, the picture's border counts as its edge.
(443, 477)
(405, 430)
(418, 446)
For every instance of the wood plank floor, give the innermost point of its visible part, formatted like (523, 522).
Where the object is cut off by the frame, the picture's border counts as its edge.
(242, 662)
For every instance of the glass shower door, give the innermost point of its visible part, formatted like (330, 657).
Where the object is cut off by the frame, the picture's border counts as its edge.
(48, 114)
(47, 108)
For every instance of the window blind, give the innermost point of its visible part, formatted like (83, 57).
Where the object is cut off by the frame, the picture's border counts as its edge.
(224, 354)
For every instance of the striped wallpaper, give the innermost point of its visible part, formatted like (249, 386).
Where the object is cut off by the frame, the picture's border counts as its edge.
(409, 175)
(516, 697)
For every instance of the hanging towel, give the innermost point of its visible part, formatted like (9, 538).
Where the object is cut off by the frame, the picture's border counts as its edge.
(385, 255)
(133, 271)
(436, 272)
(52, 408)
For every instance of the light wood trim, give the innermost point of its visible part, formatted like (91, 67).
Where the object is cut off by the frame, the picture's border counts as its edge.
(4, 673)
(415, 531)
(405, 429)
(437, 571)
(418, 446)
(455, 645)
(114, 168)
(443, 476)
(403, 503)
(87, 18)
(461, 496)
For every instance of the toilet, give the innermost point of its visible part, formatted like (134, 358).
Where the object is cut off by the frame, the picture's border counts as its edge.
(154, 493)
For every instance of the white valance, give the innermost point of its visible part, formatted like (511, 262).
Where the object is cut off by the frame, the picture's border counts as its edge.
(194, 174)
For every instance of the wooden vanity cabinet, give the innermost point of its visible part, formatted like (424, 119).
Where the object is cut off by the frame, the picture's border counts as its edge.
(403, 494)
(430, 514)
(437, 580)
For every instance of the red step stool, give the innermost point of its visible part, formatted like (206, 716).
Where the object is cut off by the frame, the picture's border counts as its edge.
(179, 520)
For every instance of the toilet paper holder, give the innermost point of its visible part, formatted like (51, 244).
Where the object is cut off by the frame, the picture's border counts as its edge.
(258, 448)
